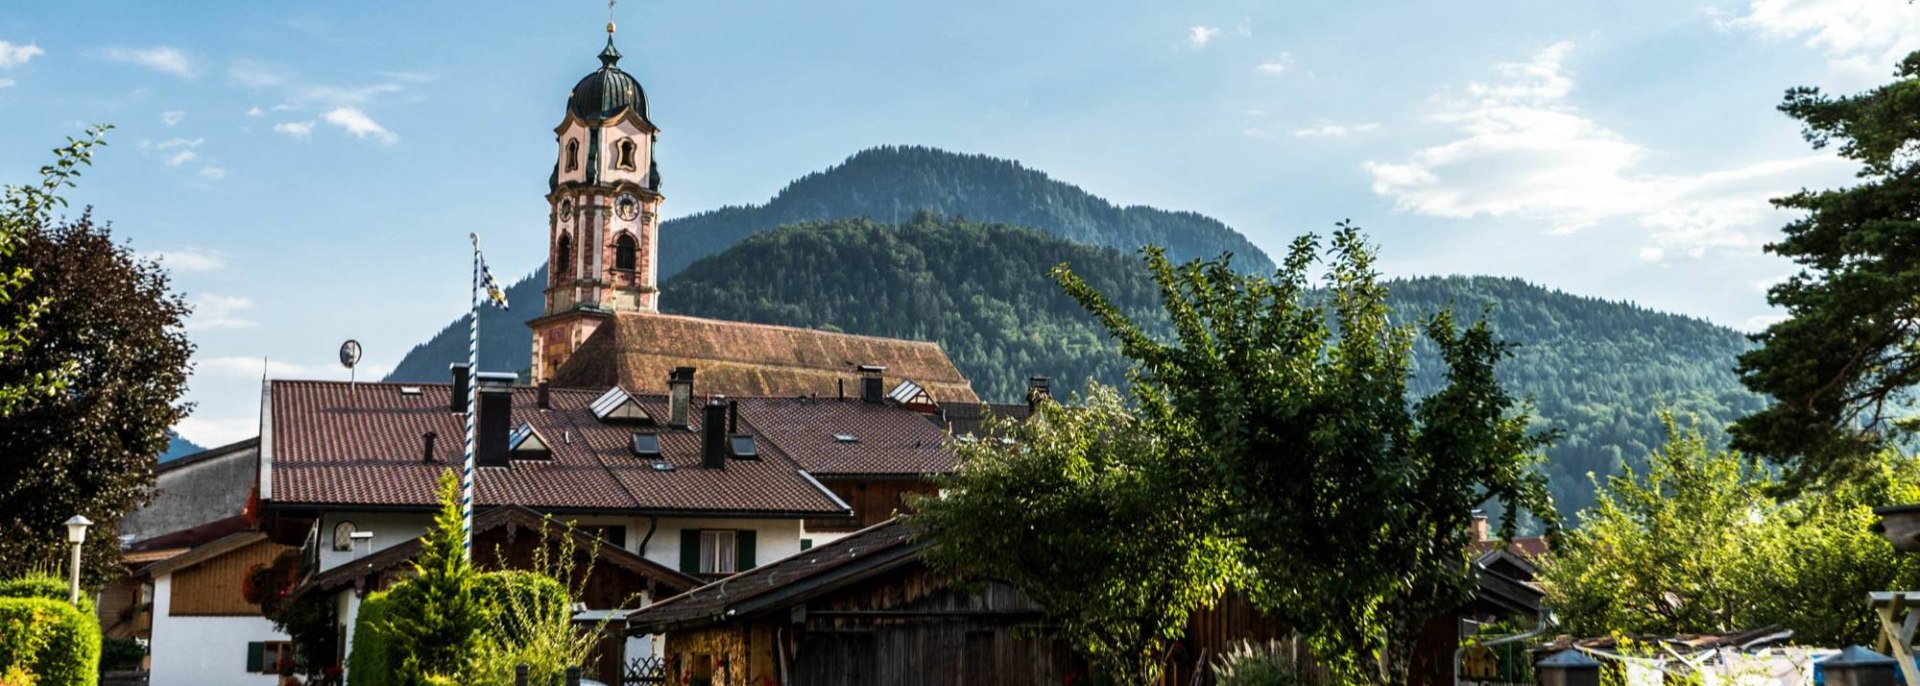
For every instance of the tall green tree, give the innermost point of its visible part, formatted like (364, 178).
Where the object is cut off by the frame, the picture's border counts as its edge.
(24, 210)
(107, 325)
(1106, 519)
(1843, 364)
(1695, 543)
(441, 611)
(1352, 501)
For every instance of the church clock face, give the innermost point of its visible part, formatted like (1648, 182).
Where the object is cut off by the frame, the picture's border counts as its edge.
(628, 207)
(566, 210)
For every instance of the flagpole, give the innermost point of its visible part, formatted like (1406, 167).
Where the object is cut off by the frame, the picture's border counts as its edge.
(473, 402)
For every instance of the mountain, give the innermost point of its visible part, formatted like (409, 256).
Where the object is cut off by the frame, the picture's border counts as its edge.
(178, 447)
(1598, 371)
(889, 183)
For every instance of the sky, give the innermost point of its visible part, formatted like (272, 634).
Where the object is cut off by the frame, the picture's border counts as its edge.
(308, 172)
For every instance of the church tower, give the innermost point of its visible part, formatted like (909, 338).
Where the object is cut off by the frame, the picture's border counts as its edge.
(604, 198)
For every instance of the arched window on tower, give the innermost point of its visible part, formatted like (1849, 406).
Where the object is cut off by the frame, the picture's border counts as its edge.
(573, 154)
(624, 255)
(563, 256)
(628, 151)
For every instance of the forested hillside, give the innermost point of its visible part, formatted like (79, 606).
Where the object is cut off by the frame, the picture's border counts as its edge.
(1599, 371)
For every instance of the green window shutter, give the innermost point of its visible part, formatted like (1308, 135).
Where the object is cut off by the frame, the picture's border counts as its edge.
(743, 546)
(806, 544)
(690, 551)
(256, 657)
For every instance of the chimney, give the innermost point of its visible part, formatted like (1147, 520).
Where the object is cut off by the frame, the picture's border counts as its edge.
(495, 420)
(426, 455)
(713, 434)
(871, 390)
(546, 396)
(679, 396)
(1039, 389)
(457, 401)
(1480, 532)
(733, 417)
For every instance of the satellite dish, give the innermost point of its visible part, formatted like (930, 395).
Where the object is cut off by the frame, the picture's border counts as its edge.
(350, 353)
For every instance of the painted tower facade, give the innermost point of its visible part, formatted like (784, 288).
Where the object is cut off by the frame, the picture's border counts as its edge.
(604, 199)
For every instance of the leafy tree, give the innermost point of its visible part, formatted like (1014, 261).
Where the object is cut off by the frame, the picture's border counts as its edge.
(1695, 543)
(440, 611)
(1843, 364)
(107, 325)
(24, 210)
(1104, 518)
(1352, 503)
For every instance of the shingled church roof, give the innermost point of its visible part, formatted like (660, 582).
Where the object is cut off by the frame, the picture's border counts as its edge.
(638, 350)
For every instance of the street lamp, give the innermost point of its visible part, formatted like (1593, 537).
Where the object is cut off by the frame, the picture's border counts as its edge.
(76, 534)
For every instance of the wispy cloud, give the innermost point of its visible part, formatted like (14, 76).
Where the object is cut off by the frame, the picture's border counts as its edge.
(180, 158)
(13, 55)
(256, 74)
(161, 58)
(6, 83)
(253, 367)
(172, 117)
(213, 312)
(254, 111)
(1521, 150)
(1200, 36)
(188, 259)
(213, 171)
(297, 129)
(1244, 28)
(1276, 66)
(1256, 132)
(356, 122)
(171, 143)
(218, 431)
(1330, 130)
(1865, 38)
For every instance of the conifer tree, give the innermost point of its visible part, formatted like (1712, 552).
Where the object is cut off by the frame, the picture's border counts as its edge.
(441, 611)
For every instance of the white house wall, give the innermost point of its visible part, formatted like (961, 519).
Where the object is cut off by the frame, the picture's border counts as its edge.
(204, 651)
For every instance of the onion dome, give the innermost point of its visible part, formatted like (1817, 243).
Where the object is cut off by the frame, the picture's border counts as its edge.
(607, 91)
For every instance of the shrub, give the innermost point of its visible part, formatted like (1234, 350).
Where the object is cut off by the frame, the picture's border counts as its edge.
(370, 664)
(42, 586)
(118, 654)
(534, 627)
(1258, 664)
(48, 642)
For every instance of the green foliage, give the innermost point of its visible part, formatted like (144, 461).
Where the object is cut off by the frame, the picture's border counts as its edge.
(1694, 543)
(42, 585)
(534, 628)
(440, 611)
(25, 210)
(1103, 519)
(120, 654)
(48, 642)
(1843, 365)
(374, 659)
(106, 324)
(1351, 499)
(1250, 663)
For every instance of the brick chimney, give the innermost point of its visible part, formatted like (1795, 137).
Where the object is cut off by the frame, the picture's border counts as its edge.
(871, 389)
(494, 425)
(1480, 530)
(457, 400)
(679, 396)
(713, 435)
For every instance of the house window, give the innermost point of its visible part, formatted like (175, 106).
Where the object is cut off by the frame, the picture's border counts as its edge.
(563, 255)
(627, 152)
(623, 252)
(573, 154)
(267, 657)
(718, 552)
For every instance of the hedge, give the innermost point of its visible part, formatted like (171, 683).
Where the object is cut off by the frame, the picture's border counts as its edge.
(42, 586)
(57, 642)
(376, 657)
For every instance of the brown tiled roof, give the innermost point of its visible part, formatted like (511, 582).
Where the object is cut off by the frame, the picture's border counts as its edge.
(878, 547)
(332, 444)
(888, 440)
(962, 419)
(638, 350)
(1527, 547)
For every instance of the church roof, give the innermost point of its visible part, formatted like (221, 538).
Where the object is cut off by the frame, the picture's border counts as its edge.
(607, 91)
(638, 350)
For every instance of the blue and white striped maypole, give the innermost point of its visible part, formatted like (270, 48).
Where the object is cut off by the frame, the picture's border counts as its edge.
(473, 402)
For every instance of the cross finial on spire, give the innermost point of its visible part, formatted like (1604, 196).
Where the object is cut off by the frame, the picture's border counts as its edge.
(610, 17)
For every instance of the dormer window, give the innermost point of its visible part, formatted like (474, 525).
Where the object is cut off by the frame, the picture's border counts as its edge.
(625, 255)
(573, 154)
(526, 444)
(627, 152)
(616, 406)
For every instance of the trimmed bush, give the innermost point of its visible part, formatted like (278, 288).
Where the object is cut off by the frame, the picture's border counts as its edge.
(42, 586)
(370, 664)
(49, 640)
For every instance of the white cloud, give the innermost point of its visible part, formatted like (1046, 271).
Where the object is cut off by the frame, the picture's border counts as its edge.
(188, 259)
(1862, 37)
(254, 111)
(12, 55)
(1330, 130)
(355, 122)
(254, 74)
(213, 171)
(1522, 150)
(172, 117)
(252, 367)
(297, 129)
(178, 143)
(1760, 322)
(1276, 66)
(218, 431)
(6, 83)
(1200, 36)
(180, 158)
(212, 312)
(163, 59)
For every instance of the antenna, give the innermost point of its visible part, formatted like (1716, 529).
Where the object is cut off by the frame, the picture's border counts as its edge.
(350, 356)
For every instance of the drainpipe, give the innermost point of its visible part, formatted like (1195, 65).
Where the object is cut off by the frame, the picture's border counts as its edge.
(1540, 626)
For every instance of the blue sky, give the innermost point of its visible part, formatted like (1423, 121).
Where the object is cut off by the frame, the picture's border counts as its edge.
(309, 171)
